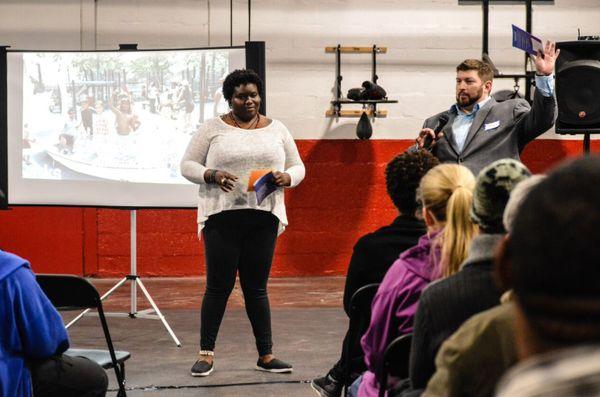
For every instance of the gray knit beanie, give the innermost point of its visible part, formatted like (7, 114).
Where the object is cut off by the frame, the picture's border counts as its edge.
(492, 191)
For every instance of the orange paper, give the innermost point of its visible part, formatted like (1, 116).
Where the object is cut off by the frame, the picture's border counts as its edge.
(254, 176)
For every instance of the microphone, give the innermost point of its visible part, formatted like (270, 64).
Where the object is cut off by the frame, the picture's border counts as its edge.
(439, 126)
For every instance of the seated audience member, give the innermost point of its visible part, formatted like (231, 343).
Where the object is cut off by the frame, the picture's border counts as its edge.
(445, 305)
(472, 360)
(551, 262)
(375, 252)
(445, 193)
(32, 340)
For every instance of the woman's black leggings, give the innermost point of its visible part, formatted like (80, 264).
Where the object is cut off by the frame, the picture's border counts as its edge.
(238, 241)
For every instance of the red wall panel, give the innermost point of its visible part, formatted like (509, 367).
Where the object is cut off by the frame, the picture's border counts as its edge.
(342, 197)
(52, 239)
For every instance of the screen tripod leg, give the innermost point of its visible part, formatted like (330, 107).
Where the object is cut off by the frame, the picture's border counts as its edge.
(158, 313)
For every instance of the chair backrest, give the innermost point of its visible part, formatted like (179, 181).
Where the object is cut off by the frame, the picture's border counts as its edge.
(360, 316)
(68, 292)
(396, 357)
(360, 303)
(360, 308)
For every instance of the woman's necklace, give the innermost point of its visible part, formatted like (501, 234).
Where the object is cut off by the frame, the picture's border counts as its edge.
(252, 125)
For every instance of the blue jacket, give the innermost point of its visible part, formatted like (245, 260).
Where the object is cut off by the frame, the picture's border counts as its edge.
(30, 327)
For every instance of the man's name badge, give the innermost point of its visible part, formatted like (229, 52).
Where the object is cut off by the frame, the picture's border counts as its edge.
(491, 126)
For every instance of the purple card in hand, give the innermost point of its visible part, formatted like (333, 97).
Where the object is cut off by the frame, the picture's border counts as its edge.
(526, 41)
(264, 186)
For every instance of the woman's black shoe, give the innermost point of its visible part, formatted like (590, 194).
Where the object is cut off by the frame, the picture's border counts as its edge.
(202, 368)
(275, 365)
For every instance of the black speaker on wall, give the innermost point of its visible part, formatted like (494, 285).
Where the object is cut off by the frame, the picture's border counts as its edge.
(578, 87)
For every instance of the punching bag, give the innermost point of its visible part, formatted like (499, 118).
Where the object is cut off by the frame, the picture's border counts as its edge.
(364, 130)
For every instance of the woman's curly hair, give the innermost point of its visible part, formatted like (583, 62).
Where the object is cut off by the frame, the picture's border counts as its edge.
(240, 77)
(402, 176)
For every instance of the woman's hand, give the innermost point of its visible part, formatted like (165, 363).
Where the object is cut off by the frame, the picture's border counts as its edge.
(282, 178)
(225, 180)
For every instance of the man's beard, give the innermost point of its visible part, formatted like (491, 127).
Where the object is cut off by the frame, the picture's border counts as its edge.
(471, 100)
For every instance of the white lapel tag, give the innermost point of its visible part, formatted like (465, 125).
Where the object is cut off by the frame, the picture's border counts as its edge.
(491, 126)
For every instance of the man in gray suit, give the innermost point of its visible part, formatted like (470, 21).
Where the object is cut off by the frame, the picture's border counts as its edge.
(480, 130)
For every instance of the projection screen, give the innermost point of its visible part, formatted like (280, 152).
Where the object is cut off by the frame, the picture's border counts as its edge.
(109, 128)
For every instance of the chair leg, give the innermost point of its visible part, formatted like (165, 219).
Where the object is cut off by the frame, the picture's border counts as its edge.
(123, 373)
(383, 385)
(122, 392)
(347, 364)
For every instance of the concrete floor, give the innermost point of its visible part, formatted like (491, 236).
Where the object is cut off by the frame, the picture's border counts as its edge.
(308, 326)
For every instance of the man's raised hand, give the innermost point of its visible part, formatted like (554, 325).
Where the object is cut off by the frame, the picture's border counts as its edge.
(544, 61)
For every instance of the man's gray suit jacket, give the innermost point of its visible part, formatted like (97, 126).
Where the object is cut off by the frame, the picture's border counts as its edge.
(499, 130)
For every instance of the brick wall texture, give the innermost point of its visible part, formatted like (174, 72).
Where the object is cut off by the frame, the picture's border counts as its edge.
(342, 198)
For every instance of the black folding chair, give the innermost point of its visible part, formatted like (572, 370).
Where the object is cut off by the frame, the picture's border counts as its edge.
(68, 292)
(395, 361)
(360, 317)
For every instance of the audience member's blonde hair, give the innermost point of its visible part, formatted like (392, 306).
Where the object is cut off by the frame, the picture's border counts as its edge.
(446, 191)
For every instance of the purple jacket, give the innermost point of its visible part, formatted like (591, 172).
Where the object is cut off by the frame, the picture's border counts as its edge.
(395, 304)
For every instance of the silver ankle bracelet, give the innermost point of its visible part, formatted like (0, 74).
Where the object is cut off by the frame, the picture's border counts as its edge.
(206, 353)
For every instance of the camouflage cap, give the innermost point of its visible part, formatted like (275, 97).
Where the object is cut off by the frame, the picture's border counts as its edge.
(492, 191)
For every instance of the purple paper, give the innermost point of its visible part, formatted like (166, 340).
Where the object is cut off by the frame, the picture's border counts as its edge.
(264, 186)
(526, 41)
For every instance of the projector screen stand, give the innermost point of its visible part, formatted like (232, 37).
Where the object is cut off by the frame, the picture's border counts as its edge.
(153, 312)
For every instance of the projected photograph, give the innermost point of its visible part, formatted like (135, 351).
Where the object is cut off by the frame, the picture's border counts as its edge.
(121, 116)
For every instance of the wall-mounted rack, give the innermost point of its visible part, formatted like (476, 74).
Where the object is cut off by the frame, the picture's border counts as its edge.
(369, 106)
(528, 75)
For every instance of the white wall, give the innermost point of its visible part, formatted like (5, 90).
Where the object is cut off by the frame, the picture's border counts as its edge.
(425, 40)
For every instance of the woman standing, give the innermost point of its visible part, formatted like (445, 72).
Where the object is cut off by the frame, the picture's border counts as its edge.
(240, 234)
